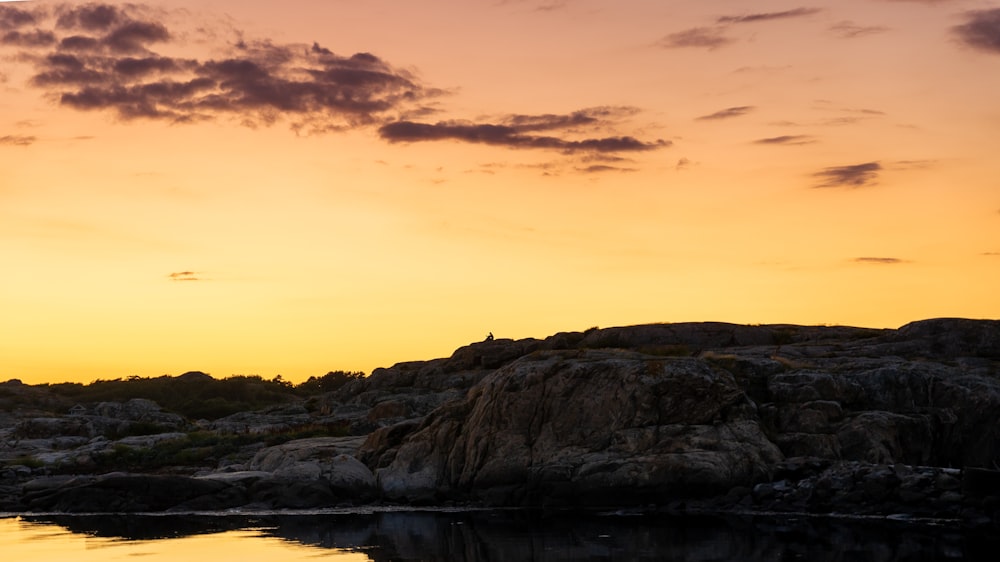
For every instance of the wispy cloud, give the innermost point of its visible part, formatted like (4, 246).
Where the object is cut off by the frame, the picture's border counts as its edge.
(851, 30)
(602, 168)
(697, 37)
(857, 175)
(518, 131)
(714, 36)
(185, 276)
(787, 140)
(767, 16)
(879, 260)
(17, 140)
(913, 164)
(727, 113)
(981, 30)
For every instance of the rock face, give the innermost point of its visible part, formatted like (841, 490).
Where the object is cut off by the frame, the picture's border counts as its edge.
(652, 413)
(587, 427)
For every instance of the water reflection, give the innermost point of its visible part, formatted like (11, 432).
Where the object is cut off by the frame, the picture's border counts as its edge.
(514, 536)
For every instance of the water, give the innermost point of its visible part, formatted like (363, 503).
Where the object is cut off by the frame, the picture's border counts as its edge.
(476, 536)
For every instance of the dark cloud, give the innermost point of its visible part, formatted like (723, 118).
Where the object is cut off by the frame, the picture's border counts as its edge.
(519, 131)
(851, 30)
(768, 16)
(17, 140)
(698, 37)
(184, 276)
(787, 140)
(727, 113)
(981, 30)
(114, 58)
(508, 136)
(101, 57)
(13, 17)
(65, 70)
(138, 67)
(135, 36)
(34, 38)
(91, 17)
(582, 118)
(879, 261)
(857, 175)
(601, 168)
(713, 37)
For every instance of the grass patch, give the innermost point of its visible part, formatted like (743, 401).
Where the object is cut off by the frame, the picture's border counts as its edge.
(25, 460)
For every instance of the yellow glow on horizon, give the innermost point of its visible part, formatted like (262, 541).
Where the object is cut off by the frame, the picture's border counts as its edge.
(297, 254)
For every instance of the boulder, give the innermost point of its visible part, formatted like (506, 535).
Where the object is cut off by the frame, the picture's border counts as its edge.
(330, 459)
(587, 427)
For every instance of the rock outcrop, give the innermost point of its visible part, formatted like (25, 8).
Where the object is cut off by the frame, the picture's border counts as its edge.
(330, 459)
(588, 427)
(648, 413)
(708, 414)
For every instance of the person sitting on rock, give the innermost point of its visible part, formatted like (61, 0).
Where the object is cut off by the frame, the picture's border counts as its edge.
(489, 337)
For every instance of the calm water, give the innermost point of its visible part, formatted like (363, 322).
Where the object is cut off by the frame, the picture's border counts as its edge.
(474, 537)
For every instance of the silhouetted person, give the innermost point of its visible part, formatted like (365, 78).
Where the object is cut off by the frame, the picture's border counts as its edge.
(489, 337)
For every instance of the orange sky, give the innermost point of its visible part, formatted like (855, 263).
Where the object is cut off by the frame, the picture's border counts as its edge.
(257, 187)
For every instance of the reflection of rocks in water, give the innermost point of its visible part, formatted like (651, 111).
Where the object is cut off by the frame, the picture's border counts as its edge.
(482, 536)
(139, 527)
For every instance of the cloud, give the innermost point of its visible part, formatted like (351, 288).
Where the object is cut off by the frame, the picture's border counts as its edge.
(91, 17)
(981, 30)
(517, 131)
(118, 59)
(787, 140)
(913, 164)
(682, 164)
(767, 16)
(697, 37)
(409, 131)
(184, 276)
(857, 175)
(713, 37)
(102, 57)
(879, 261)
(727, 113)
(851, 30)
(34, 38)
(13, 17)
(600, 168)
(17, 140)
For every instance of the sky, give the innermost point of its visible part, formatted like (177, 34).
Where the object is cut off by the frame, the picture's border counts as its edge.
(289, 188)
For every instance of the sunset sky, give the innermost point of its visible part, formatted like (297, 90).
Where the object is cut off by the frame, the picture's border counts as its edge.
(294, 187)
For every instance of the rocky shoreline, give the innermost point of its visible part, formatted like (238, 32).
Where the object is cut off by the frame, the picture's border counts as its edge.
(701, 417)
